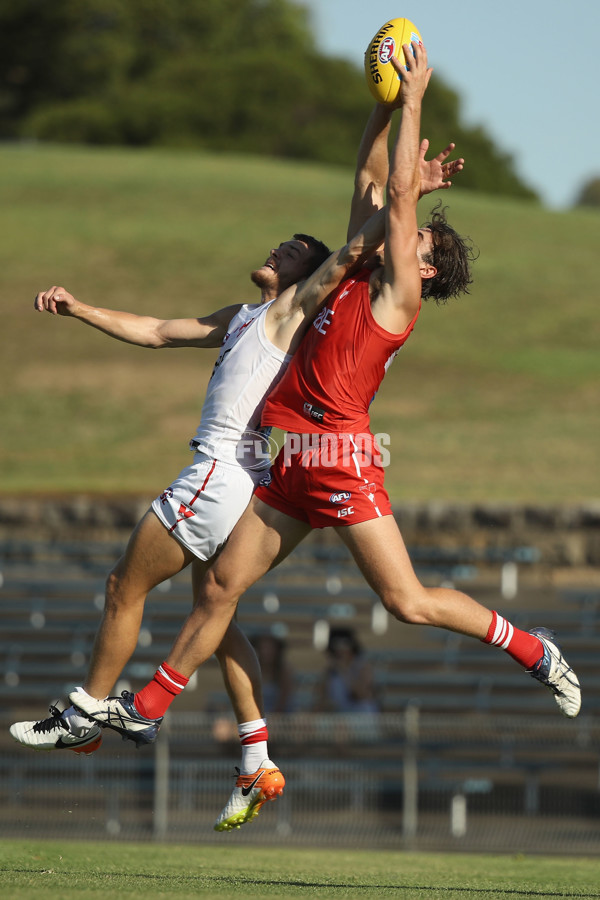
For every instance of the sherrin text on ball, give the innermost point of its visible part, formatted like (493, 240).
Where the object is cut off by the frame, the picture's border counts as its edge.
(383, 80)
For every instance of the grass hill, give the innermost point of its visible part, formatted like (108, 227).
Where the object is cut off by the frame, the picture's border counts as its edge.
(495, 397)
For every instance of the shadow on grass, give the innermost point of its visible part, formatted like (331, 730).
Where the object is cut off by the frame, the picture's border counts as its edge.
(237, 882)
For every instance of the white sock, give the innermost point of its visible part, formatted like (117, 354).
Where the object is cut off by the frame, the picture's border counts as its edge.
(255, 752)
(78, 724)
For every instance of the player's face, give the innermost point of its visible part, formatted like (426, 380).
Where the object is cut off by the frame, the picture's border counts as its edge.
(424, 244)
(286, 265)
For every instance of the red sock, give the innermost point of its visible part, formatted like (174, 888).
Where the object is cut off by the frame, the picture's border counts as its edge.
(525, 648)
(154, 700)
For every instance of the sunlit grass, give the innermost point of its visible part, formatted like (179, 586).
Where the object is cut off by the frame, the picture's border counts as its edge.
(50, 870)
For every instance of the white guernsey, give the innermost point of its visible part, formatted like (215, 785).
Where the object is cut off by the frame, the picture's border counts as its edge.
(207, 498)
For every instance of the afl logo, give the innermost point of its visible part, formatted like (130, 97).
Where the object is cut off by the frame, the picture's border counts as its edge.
(386, 50)
(340, 497)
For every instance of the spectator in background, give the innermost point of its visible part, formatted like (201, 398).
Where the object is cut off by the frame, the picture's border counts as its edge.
(277, 675)
(347, 684)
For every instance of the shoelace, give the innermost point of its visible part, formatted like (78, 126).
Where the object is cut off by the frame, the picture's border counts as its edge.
(52, 722)
(563, 671)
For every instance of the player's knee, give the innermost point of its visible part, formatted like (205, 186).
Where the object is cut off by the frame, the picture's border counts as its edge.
(219, 590)
(405, 606)
(119, 593)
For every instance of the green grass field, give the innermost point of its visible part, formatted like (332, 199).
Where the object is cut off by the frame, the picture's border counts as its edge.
(52, 870)
(494, 398)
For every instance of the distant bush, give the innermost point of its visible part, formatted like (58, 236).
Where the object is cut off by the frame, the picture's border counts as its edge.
(85, 121)
(590, 194)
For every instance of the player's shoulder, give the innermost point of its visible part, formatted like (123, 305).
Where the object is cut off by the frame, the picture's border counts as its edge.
(247, 312)
(249, 309)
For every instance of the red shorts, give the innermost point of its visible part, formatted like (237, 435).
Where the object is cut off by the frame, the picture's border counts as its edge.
(327, 479)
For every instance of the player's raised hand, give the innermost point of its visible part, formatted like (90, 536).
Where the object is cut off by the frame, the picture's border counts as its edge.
(55, 300)
(436, 172)
(415, 75)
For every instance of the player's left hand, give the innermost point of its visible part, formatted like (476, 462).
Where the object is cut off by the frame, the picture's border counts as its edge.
(436, 172)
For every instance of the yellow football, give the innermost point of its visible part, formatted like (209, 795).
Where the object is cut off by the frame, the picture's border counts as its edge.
(383, 80)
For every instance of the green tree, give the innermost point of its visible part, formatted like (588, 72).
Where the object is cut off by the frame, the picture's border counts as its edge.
(589, 194)
(234, 75)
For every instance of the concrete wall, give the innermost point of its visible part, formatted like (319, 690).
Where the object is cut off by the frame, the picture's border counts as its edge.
(562, 536)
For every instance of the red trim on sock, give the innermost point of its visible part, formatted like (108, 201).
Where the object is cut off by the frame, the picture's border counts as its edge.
(524, 648)
(175, 675)
(261, 734)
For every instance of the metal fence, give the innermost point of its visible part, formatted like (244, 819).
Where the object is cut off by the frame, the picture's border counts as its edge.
(479, 761)
(410, 780)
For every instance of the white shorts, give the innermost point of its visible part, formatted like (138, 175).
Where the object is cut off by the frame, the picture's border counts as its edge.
(201, 507)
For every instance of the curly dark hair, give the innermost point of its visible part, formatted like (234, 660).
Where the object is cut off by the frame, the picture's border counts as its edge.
(452, 256)
(319, 252)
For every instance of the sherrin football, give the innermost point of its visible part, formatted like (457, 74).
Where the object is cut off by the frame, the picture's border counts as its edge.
(383, 80)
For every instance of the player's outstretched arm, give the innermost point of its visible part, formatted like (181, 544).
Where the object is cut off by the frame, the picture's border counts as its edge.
(144, 331)
(372, 168)
(312, 293)
(400, 295)
(289, 315)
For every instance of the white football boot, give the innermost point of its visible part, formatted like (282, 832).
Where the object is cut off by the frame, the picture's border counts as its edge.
(55, 733)
(554, 671)
(250, 793)
(118, 713)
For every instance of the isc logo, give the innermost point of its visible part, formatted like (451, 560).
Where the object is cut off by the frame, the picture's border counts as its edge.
(346, 511)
